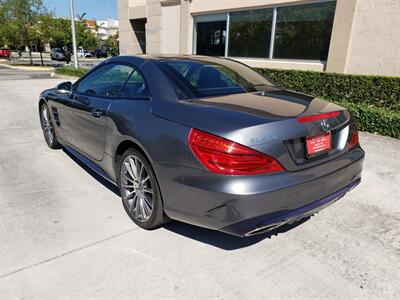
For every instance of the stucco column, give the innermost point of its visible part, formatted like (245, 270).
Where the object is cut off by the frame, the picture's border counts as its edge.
(186, 28)
(153, 27)
(341, 36)
(125, 30)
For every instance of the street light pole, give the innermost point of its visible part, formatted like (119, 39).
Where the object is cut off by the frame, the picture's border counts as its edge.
(75, 49)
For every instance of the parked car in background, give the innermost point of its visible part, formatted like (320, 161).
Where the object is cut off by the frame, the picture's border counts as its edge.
(83, 53)
(205, 140)
(98, 53)
(57, 54)
(5, 52)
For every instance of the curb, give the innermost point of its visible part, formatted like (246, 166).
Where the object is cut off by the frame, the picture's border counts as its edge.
(27, 68)
(55, 75)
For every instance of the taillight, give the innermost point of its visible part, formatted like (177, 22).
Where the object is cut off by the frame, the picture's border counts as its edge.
(317, 117)
(353, 140)
(223, 156)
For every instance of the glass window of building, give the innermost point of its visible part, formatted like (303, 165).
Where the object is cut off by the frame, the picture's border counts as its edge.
(210, 34)
(304, 31)
(250, 33)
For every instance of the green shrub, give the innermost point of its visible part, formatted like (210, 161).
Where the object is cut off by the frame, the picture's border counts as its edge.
(374, 101)
(381, 91)
(69, 71)
(374, 119)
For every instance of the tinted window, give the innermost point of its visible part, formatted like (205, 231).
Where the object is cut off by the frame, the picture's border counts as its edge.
(250, 33)
(304, 31)
(206, 78)
(211, 38)
(135, 87)
(106, 81)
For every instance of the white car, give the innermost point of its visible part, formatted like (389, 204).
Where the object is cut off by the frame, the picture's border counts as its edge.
(84, 53)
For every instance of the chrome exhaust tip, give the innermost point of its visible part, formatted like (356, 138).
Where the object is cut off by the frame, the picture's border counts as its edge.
(266, 228)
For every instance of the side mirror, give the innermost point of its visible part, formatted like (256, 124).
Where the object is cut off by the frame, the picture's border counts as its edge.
(64, 88)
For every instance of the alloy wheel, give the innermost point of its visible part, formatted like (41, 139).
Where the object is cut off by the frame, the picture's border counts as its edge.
(136, 188)
(47, 125)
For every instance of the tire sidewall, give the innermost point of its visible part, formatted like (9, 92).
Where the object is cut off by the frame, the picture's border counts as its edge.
(54, 144)
(157, 214)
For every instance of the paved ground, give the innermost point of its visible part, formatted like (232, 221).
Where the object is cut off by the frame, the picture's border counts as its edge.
(65, 235)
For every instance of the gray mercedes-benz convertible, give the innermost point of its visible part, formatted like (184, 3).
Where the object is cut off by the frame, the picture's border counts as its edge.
(204, 140)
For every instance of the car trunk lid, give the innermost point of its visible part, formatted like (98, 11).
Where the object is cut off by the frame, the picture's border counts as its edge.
(270, 122)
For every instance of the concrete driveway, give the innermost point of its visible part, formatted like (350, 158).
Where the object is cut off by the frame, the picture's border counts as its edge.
(64, 233)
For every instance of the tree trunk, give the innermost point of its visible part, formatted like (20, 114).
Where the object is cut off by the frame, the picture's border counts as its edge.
(30, 55)
(41, 58)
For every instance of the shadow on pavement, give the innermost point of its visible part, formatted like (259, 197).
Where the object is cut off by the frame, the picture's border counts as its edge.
(222, 240)
(212, 237)
(113, 188)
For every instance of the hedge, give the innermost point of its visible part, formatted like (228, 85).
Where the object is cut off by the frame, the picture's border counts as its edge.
(381, 91)
(374, 101)
(374, 119)
(69, 71)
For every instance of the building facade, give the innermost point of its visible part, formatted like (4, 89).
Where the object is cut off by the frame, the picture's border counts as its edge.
(107, 28)
(344, 36)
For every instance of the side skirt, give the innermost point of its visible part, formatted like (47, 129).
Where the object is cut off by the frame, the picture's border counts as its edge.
(90, 164)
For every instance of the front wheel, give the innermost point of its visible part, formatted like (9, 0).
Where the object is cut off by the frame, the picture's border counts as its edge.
(139, 189)
(48, 128)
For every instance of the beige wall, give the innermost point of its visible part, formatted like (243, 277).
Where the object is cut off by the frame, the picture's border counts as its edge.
(171, 28)
(201, 6)
(365, 35)
(375, 39)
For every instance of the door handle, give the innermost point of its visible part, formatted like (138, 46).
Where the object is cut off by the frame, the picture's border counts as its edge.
(96, 112)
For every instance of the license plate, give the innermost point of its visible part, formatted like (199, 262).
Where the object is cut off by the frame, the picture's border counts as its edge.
(318, 144)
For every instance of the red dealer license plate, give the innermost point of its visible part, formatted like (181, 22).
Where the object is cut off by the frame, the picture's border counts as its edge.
(318, 144)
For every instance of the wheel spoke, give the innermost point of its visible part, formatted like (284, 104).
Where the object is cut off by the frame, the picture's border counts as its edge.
(137, 209)
(148, 203)
(129, 195)
(146, 208)
(133, 168)
(137, 163)
(142, 209)
(144, 180)
(141, 171)
(130, 171)
(45, 114)
(147, 191)
(127, 186)
(133, 203)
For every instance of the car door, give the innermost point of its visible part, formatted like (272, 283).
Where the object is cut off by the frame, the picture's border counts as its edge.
(92, 96)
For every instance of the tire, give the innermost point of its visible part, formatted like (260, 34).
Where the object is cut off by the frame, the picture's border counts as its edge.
(139, 190)
(48, 128)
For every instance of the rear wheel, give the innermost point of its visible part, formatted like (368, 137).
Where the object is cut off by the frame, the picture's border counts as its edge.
(48, 128)
(140, 194)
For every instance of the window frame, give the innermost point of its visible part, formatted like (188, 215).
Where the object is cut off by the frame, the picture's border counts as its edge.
(118, 96)
(274, 8)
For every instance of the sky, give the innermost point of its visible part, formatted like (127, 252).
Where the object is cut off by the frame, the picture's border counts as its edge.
(95, 9)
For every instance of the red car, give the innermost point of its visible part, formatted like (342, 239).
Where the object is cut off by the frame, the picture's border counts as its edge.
(4, 52)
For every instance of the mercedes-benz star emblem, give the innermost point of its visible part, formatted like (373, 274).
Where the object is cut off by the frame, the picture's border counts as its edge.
(325, 125)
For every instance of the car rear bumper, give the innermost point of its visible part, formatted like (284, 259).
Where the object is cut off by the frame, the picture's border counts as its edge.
(271, 223)
(246, 205)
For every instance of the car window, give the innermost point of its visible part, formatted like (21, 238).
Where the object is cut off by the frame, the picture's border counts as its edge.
(135, 87)
(206, 79)
(106, 81)
(203, 78)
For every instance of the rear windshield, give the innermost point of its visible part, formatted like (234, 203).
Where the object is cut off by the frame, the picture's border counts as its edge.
(202, 78)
